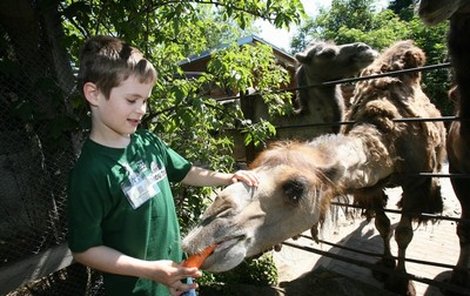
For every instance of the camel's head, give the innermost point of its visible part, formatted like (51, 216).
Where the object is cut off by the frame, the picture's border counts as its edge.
(399, 56)
(433, 12)
(326, 61)
(244, 221)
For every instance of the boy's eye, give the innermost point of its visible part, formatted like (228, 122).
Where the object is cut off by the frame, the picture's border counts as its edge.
(135, 100)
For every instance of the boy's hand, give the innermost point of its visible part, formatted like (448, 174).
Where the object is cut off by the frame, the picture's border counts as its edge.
(245, 176)
(182, 288)
(172, 275)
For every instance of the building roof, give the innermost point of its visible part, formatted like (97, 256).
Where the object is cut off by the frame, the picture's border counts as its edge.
(242, 41)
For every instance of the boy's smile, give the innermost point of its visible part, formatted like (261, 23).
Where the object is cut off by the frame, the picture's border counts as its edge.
(116, 118)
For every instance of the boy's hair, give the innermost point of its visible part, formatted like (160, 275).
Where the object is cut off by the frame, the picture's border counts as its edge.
(107, 61)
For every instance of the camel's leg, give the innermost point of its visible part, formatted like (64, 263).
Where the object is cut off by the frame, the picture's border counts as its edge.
(461, 272)
(382, 224)
(419, 194)
(403, 236)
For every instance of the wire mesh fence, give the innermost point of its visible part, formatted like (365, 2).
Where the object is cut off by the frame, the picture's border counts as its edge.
(34, 169)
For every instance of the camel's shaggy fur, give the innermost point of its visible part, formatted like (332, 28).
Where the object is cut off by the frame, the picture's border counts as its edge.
(381, 101)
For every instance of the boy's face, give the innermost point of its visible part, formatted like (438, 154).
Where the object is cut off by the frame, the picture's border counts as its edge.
(120, 114)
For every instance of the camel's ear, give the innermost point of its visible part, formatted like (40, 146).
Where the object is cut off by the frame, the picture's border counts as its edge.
(295, 188)
(302, 57)
(414, 57)
(454, 94)
(333, 172)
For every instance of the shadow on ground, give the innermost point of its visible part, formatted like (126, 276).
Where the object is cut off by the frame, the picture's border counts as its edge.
(317, 282)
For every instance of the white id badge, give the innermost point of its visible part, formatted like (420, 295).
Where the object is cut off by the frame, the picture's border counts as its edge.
(137, 194)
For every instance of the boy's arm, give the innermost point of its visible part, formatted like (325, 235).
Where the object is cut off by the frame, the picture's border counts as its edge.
(202, 177)
(110, 260)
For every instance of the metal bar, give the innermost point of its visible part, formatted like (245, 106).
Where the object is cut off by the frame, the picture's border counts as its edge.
(439, 175)
(346, 80)
(410, 119)
(443, 265)
(424, 215)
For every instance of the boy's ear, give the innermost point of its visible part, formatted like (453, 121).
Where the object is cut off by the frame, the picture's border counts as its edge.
(91, 93)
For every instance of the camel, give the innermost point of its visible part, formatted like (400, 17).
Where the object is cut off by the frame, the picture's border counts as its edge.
(320, 62)
(458, 138)
(298, 179)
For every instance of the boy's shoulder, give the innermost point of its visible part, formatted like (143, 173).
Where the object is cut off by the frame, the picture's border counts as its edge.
(147, 136)
(94, 160)
(87, 164)
(97, 159)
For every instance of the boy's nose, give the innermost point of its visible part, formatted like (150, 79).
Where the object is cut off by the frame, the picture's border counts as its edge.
(142, 109)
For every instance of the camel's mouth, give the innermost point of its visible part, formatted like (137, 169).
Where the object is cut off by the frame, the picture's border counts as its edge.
(229, 242)
(366, 57)
(229, 253)
(434, 15)
(434, 18)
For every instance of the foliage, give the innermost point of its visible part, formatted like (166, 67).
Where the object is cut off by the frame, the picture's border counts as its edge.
(403, 8)
(256, 133)
(433, 41)
(262, 272)
(351, 14)
(385, 27)
(378, 29)
(252, 68)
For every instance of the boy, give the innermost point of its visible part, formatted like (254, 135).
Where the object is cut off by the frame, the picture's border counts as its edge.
(122, 218)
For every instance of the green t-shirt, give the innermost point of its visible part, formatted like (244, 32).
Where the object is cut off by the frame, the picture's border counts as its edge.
(121, 198)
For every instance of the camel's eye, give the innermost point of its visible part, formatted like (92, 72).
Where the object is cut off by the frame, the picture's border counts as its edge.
(295, 189)
(223, 213)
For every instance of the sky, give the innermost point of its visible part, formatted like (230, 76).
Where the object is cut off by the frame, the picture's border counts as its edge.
(281, 37)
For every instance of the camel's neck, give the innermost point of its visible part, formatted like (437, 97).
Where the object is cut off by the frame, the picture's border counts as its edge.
(459, 47)
(324, 103)
(361, 161)
(329, 100)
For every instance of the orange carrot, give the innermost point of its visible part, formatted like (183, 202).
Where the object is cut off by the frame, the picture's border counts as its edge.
(196, 260)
